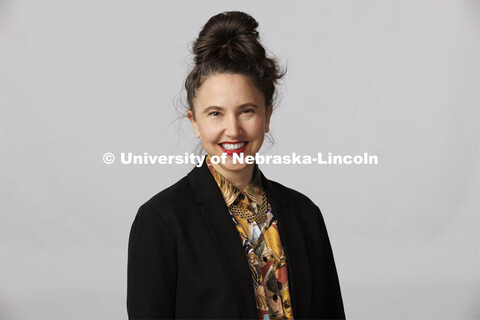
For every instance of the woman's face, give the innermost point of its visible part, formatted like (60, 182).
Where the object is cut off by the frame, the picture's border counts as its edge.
(230, 116)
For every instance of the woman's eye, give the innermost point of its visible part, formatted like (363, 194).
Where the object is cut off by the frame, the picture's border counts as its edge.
(214, 113)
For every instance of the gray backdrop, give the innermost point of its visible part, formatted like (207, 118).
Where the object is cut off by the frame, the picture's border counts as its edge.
(399, 79)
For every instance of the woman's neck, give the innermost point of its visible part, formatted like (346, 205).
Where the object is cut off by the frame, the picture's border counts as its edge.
(240, 179)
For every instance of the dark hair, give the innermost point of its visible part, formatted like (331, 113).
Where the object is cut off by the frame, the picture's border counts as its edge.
(229, 43)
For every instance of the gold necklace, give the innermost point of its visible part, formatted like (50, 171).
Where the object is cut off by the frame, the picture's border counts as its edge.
(261, 211)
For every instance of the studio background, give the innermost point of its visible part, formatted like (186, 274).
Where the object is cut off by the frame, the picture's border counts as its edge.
(399, 79)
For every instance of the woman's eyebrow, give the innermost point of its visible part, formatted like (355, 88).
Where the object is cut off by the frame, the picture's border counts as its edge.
(242, 106)
(210, 108)
(249, 104)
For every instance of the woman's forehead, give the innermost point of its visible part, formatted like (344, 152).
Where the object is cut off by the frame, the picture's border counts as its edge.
(227, 91)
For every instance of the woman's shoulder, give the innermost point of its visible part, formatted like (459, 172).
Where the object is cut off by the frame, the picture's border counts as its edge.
(291, 195)
(175, 198)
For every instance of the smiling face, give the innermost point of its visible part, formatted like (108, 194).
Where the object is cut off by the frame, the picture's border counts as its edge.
(230, 116)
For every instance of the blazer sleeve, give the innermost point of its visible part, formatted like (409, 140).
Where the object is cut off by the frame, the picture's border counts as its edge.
(333, 306)
(152, 268)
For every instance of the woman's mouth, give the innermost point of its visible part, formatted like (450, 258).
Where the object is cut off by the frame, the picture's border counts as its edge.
(230, 148)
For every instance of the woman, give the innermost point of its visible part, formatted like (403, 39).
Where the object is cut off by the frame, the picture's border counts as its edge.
(224, 241)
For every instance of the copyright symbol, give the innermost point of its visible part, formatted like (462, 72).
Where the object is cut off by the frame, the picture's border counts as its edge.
(108, 158)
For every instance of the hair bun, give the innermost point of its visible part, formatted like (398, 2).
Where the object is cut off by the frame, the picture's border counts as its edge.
(230, 35)
(229, 43)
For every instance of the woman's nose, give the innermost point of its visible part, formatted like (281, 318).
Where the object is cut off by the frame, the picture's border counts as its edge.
(232, 127)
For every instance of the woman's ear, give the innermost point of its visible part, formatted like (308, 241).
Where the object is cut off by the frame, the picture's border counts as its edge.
(269, 114)
(191, 117)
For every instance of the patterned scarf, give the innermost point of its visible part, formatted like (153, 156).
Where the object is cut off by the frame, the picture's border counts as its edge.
(261, 241)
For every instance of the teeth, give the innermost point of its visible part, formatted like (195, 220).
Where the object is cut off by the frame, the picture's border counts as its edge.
(235, 146)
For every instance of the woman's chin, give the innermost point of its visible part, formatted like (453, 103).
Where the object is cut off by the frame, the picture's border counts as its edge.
(229, 165)
(234, 167)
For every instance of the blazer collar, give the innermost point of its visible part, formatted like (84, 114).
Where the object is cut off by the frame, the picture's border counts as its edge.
(222, 228)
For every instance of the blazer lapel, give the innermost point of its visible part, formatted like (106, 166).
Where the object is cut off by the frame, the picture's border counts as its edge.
(294, 246)
(222, 228)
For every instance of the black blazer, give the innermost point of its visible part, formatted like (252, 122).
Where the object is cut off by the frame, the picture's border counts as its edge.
(185, 258)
